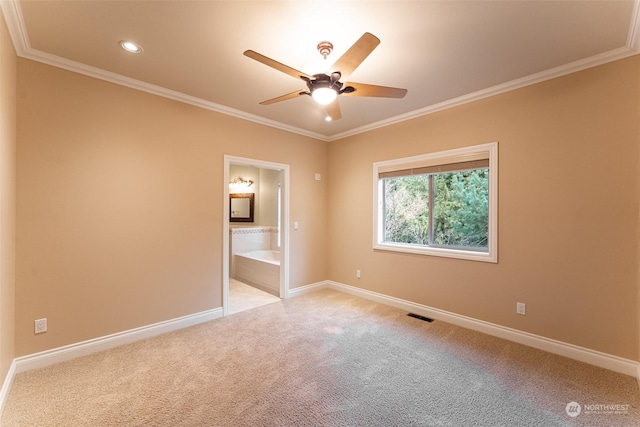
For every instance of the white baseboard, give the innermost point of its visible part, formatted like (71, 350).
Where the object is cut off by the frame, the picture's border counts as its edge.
(301, 290)
(6, 386)
(56, 355)
(61, 354)
(592, 357)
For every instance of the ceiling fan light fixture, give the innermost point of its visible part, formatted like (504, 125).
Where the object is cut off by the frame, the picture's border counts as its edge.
(324, 95)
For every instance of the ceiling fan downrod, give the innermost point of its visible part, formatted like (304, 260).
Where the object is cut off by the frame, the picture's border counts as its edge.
(325, 48)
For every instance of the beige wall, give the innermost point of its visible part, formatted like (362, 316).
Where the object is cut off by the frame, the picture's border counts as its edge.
(119, 215)
(568, 210)
(269, 179)
(7, 197)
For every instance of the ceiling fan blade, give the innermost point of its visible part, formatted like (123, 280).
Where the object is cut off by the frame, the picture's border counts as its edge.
(333, 110)
(362, 89)
(357, 53)
(275, 64)
(283, 97)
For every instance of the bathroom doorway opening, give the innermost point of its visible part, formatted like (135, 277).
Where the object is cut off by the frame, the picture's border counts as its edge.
(255, 265)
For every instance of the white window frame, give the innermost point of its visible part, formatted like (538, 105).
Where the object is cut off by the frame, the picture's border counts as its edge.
(488, 151)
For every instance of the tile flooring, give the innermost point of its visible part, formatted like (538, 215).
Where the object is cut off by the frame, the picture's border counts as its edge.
(244, 297)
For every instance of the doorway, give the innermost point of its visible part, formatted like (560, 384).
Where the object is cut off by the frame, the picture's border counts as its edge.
(268, 184)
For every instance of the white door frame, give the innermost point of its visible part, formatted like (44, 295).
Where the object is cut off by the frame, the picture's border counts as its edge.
(284, 226)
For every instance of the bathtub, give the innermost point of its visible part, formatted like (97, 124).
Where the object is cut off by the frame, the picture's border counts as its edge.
(260, 269)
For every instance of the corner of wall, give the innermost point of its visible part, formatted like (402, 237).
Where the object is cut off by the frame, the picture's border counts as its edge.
(8, 107)
(6, 386)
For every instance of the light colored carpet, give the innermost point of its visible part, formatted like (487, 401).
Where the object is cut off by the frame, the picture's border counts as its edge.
(244, 297)
(323, 359)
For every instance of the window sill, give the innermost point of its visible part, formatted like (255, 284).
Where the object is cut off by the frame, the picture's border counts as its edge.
(439, 252)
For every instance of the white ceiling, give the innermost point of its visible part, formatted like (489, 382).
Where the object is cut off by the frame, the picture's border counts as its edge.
(444, 52)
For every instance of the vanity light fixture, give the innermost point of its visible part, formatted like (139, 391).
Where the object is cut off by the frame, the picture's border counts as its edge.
(130, 46)
(239, 182)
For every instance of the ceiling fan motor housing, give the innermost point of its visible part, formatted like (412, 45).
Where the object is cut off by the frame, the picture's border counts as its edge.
(327, 81)
(323, 80)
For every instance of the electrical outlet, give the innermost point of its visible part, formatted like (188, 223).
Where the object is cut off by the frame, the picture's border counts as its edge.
(41, 326)
(521, 308)
(357, 274)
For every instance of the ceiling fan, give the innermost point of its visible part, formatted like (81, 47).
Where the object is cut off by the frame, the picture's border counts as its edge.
(326, 87)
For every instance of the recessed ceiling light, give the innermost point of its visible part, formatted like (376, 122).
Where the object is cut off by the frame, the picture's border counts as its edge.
(130, 46)
(328, 118)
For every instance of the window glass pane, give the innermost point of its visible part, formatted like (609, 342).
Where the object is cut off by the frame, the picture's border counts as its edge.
(461, 209)
(406, 209)
(439, 204)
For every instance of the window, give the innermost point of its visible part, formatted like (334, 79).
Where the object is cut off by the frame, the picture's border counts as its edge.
(442, 204)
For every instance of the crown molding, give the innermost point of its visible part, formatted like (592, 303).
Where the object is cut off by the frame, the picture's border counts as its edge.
(20, 38)
(542, 76)
(119, 79)
(632, 48)
(633, 39)
(17, 30)
(15, 24)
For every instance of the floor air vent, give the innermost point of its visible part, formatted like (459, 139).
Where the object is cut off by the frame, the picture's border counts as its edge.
(417, 316)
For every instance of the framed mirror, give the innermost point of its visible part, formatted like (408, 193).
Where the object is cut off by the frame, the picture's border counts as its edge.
(241, 207)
